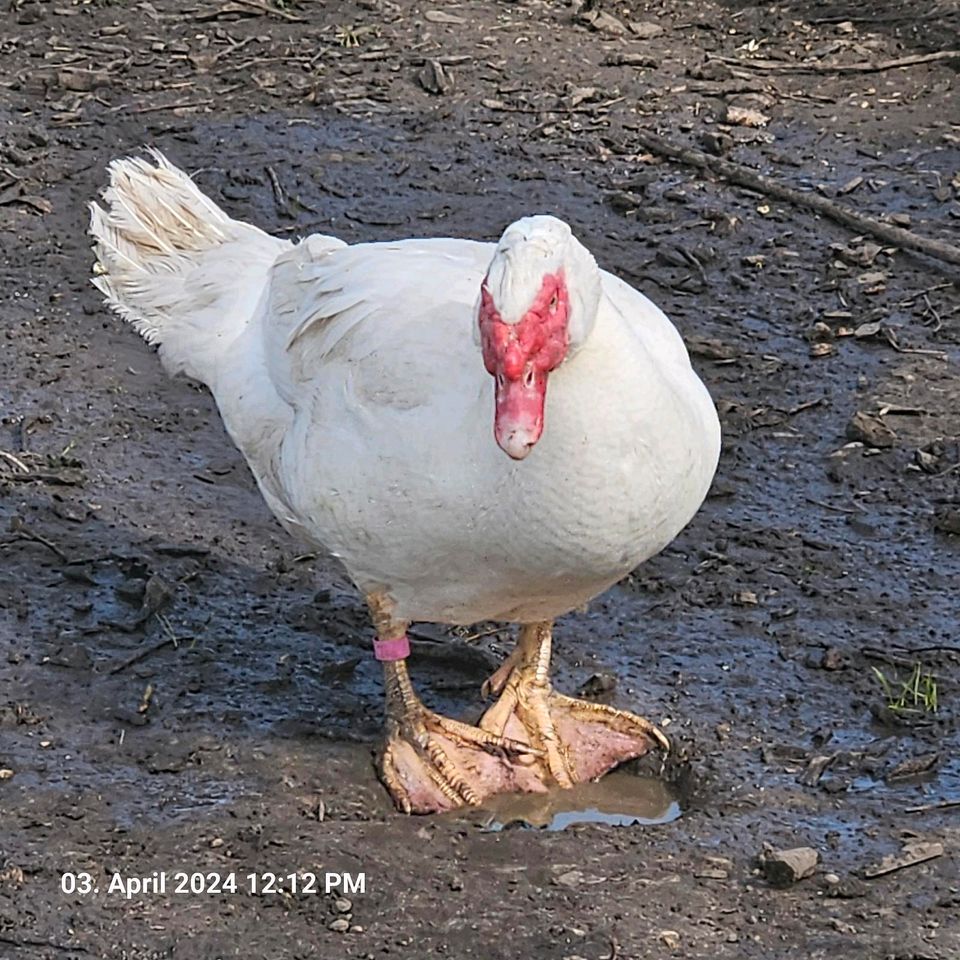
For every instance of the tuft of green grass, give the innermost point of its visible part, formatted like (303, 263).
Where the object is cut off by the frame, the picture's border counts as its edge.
(916, 694)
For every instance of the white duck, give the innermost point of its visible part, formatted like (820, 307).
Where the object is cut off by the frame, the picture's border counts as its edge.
(391, 401)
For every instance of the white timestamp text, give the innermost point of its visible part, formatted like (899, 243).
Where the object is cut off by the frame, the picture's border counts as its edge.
(203, 883)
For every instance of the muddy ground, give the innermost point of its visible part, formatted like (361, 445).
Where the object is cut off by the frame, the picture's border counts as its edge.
(824, 551)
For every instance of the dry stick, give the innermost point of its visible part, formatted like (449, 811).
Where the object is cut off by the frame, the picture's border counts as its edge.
(182, 105)
(266, 8)
(48, 944)
(945, 805)
(778, 66)
(144, 652)
(745, 177)
(16, 461)
(23, 532)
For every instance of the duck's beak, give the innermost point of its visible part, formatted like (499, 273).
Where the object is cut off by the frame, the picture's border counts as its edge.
(518, 420)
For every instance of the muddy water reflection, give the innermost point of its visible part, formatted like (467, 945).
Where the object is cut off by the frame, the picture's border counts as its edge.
(619, 799)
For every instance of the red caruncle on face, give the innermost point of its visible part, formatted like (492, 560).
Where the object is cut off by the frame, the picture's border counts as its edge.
(520, 355)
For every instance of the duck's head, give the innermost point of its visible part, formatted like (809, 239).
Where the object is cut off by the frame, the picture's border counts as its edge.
(538, 303)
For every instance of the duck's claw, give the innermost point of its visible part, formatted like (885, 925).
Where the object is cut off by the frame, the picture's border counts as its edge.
(432, 763)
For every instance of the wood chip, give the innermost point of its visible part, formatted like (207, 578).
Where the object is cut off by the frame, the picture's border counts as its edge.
(441, 16)
(850, 186)
(745, 117)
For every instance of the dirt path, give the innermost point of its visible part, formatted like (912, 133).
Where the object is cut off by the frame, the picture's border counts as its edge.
(241, 739)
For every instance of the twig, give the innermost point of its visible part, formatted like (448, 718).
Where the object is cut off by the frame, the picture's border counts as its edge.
(43, 944)
(266, 8)
(934, 648)
(777, 66)
(182, 105)
(55, 478)
(143, 653)
(913, 853)
(279, 197)
(875, 653)
(913, 298)
(16, 461)
(912, 16)
(937, 324)
(490, 632)
(923, 808)
(23, 532)
(891, 338)
(233, 48)
(830, 506)
(745, 177)
(800, 407)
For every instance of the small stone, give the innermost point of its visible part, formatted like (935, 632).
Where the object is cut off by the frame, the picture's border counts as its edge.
(570, 878)
(434, 78)
(744, 117)
(785, 867)
(645, 30)
(947, 520)
(832, 659)
(340, 925)
(927, 461)
(831, 879)
(870, 430)
(216, 842)
(5, 773)
(670, 939)
(342, 905)
(603, 22)
(820, 332)
(599, 684)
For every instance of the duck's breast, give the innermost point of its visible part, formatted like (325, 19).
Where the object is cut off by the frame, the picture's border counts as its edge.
(391, 463)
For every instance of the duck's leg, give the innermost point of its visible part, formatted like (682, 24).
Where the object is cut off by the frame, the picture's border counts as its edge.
(431, 763)
(580, 740)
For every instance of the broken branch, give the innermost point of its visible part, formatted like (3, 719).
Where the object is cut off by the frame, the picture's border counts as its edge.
(745, 177)
(865, 66)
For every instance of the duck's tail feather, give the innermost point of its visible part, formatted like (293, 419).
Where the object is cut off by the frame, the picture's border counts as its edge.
(173, 264)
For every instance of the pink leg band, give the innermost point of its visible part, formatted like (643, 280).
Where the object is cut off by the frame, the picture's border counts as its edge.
(387, 651)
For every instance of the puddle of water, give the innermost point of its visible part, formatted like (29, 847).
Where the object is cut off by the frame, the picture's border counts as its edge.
(619, 799)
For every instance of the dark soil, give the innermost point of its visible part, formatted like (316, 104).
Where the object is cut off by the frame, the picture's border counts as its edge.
(241, 738)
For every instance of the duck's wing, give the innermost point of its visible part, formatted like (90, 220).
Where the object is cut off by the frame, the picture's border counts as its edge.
(388, 308)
